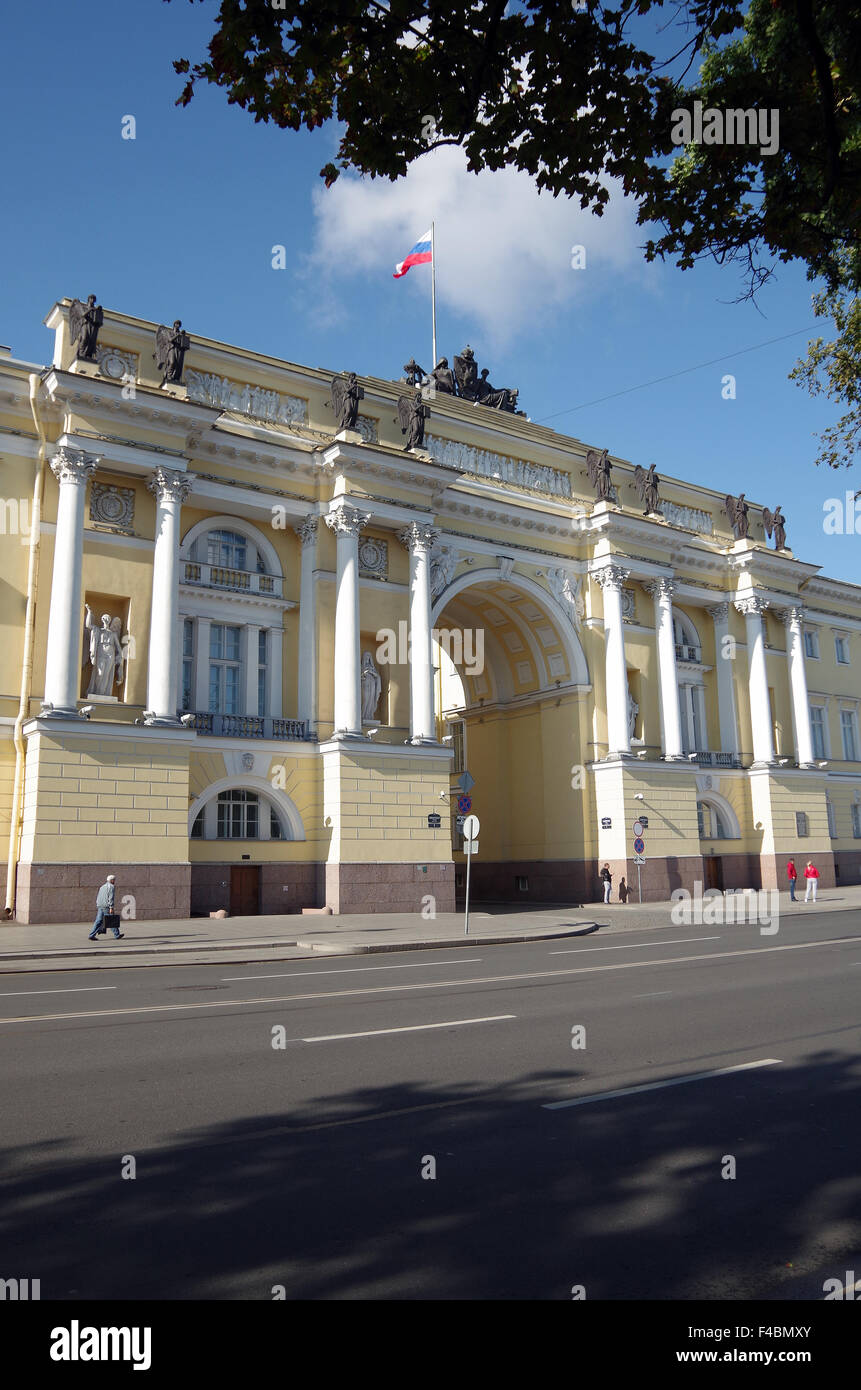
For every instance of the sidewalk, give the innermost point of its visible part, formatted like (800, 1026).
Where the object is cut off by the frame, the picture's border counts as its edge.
(240, 940)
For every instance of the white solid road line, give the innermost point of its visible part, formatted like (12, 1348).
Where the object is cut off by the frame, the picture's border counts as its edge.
(413, 1028)
(660, 1085)
(352, 970)
(679, 941)
(77, 989)
(653, 994)
(434, 984)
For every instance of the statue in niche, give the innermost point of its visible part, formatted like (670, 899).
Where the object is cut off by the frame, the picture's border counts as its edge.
(106, 653)
(171, 345)
(85, 320)
(346, 394)
(371, 687)
(633, 711)
(599, 468)
(647, 484)
(775, 522)
(736, 510)
(412, 414)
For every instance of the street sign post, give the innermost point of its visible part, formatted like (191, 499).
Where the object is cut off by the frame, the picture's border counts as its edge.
(638, 828)
(464, 805)
(471, 827)
(639, 845)
(639, 859)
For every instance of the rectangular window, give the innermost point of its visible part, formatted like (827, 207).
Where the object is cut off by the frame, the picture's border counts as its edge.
(856, 821)
(224, 669)
(811, 645)
(187, 664)
(817, 730)
(841, 650)
(832, 820)
(457, 742)
(850, 740)
(261, 674)
(802, 824)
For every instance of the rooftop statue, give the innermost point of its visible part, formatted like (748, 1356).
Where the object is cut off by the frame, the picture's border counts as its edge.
(85, 320)
(443, 377)
(413, 374)
(171, 345)
(736, 509)
(412, 414)
(647, 484)
(775, 522)
(599, 468)
(346, 394)
(466, 372)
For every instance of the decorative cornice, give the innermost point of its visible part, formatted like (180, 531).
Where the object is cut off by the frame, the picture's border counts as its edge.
(169, 485)
(418, 539)
(73, 465)
(345, 520)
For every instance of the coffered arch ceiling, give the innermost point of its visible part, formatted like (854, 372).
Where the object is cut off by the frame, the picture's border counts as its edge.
(529, 646)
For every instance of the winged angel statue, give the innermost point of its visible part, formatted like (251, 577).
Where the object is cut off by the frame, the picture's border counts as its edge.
(346, 394)
(412, 414)
(736, 509)
(85, 320)
(775, 522)
(598, 467)
(105, 652)
(647, 482)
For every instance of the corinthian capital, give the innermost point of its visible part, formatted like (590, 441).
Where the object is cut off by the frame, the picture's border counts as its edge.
(660, 588)
(73, 465)
(719, 612)
(170, 485)
(418, 537)
(752, 604)
(345, 520)
(611, 576)
(792, 616)
(307, 531)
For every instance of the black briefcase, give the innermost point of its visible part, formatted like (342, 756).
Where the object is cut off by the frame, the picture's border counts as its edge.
(110, 922)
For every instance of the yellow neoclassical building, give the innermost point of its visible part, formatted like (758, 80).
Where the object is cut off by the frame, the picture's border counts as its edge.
(251, 643)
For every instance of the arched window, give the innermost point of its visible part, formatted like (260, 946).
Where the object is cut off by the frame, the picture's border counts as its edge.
(239, 814)
(710, 822)
(686, 637)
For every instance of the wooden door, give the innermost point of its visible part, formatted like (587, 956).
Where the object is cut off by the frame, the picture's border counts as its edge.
(713, 871)
(244, 890)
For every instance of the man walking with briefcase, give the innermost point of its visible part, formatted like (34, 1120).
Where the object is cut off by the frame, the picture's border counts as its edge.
(105, 911)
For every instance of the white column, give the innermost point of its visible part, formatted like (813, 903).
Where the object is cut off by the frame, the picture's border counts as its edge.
(252, 665)
(347, 522)
(671, 725)
(201, 664)
(760, 709)
(307, 691)
(724, 658)
(793, 619)
(611, 577)
(274, 675)
(419, 540)
(171, 489)
(71, 468)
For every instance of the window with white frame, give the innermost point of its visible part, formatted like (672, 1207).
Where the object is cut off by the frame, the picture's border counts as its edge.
(856, 820)
(225, 669)
(239, 814)
(817, 730)
(811, 644)
(227, 549)
(849, 733)
(710, 822)
(832, 820)
(187, 664)
(841, 649)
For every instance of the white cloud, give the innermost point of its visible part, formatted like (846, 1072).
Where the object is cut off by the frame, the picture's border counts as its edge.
(503, 249)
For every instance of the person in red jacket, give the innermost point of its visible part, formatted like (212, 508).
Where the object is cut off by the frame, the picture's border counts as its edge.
(811, 873)
(792, 875)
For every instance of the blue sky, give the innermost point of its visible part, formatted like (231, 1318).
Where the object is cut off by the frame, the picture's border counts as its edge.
(181, 221)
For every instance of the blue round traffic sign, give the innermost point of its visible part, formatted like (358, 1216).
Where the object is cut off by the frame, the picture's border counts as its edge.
(639, 845)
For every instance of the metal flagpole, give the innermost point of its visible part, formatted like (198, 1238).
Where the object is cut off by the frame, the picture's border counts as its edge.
(433, 292)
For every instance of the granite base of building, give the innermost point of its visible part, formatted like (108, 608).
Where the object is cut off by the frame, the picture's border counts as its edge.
(249, 889)
(67, 892)
(390, 888)
(847, 867)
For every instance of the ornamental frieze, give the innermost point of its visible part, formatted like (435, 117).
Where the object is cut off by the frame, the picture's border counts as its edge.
(536, 477)
(219, 391)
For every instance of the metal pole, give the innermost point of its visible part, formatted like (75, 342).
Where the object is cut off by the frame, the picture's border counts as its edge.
(639, 885)
(468, 863)
(433, 292)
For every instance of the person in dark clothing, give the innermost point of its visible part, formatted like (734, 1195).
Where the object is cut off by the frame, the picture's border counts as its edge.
(607, 880)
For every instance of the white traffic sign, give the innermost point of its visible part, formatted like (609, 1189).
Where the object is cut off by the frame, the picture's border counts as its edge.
(639, 859)
(471, 828)
(638, 828)
(470, 847)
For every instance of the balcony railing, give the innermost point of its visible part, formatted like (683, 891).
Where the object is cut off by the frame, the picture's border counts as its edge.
(685, 652)
(250, 726)
(707, 759)
(237, 581)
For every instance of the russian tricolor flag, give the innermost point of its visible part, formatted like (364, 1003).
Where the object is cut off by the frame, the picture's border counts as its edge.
(421, 252)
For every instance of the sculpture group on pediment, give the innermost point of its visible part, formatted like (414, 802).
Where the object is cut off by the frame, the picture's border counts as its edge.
(465, 382)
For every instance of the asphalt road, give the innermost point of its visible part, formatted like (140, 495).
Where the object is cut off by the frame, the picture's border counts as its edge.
(302, 1166)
